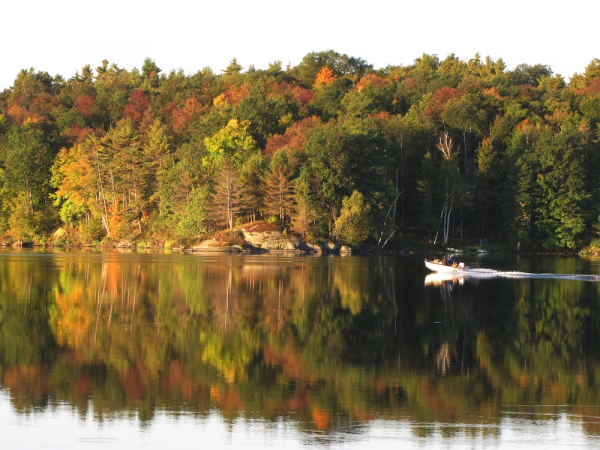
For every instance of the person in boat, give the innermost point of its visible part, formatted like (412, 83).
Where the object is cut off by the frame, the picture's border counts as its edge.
(444, 261)
(451, 260)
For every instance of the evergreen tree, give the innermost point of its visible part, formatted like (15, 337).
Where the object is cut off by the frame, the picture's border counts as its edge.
(227, 201)
(278, 188)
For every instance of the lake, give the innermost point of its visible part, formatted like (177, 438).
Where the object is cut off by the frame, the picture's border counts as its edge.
(179, 350)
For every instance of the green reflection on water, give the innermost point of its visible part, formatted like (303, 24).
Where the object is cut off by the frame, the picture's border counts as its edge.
(331, 343)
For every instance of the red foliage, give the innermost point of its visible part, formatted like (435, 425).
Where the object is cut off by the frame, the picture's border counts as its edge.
(171, 106)
(186, 115)
(302, 96)
(593, 87)
(85, 104)
(137, 106)
(293, 139)
(381, 116)
(439, 100)
(298, 93)
(233, 95)
(41, 104)
(281, 88)
(78, 134)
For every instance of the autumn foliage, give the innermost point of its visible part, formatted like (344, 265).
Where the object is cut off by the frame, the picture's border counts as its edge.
(117, 155)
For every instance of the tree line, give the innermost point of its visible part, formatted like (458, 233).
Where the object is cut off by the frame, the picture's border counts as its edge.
(440, 150)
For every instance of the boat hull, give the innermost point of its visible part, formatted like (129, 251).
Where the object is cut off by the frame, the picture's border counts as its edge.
(440, 268)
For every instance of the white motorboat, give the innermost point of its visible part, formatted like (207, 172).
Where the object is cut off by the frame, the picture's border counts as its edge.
(439, 267)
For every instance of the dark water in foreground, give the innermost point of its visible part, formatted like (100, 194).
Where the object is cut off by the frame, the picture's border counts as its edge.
(161, 351)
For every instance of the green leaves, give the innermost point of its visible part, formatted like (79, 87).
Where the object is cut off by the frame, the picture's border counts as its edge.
(354, 222)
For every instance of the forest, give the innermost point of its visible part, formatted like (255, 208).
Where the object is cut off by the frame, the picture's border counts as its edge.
(438, 151)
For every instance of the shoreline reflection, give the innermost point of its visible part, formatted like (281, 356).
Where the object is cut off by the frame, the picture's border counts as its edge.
(332, 345)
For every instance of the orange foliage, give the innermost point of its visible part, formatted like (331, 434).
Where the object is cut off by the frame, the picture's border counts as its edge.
(522, 124)
(289, 359)
(27, 382)
(232, 96)
(324, 77)
(186, 115)
(113, 277)
(293, 139)
(73, 323)
(381, 116)
(321, 419)
(227, 399)
(439, 100)
(371, 80)
(21, 115)
(114, 218)
(410, 84)
(492, 92)
(31, 109)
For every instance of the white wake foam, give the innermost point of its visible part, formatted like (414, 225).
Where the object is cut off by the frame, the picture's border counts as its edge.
(558, 276)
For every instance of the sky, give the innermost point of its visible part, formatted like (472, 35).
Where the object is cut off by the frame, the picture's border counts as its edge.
(62, 36)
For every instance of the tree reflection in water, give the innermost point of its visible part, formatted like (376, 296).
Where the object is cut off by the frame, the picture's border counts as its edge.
(331, 343)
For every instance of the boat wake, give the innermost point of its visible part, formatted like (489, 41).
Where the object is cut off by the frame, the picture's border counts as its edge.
(483, 273)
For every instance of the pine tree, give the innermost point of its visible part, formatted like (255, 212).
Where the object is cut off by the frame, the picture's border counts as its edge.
(303, 211)
(227, 199)
(278, 188)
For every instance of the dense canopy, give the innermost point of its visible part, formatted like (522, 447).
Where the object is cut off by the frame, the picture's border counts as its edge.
(438, 150)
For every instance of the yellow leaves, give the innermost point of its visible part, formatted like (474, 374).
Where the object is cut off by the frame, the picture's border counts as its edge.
(232, 141)
(220, 100)
(29, 120)
(231, 96)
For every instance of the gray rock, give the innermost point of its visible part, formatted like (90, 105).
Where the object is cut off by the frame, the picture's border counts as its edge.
(278, 244)
(211, 245)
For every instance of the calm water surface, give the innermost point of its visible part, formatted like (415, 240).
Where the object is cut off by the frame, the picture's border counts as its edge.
(160, 351)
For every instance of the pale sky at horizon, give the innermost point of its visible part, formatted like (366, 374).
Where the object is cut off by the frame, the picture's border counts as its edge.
(62, 36)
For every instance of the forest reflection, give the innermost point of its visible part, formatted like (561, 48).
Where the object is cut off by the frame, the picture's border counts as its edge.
(330, 343)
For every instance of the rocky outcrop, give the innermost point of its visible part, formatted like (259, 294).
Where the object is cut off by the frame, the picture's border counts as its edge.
(213, 245)
(345, 250)
(323, 247)
(263, 236)
(269, 240)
